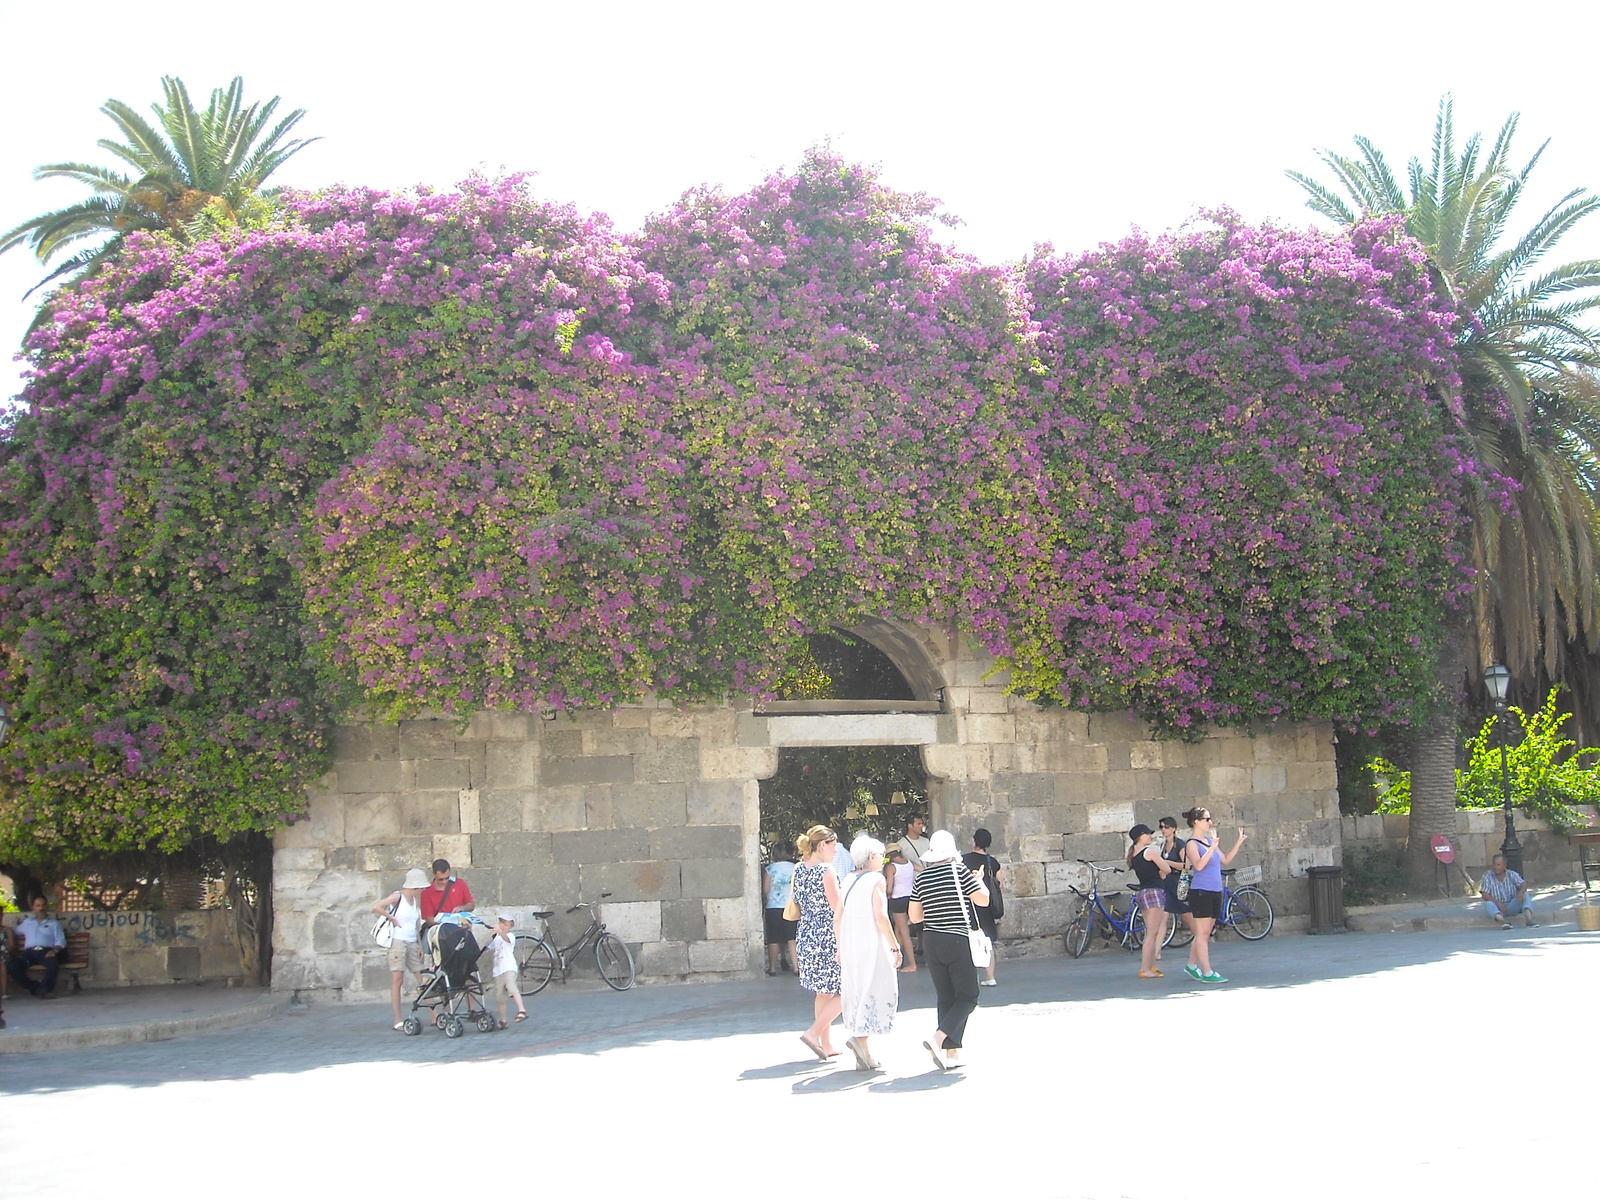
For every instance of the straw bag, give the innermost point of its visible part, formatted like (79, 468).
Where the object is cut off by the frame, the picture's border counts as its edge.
(791, 910)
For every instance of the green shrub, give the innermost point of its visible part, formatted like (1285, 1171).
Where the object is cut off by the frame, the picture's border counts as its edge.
(1374, 874)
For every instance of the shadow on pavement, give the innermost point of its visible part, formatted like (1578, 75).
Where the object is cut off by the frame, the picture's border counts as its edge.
(589, 1022)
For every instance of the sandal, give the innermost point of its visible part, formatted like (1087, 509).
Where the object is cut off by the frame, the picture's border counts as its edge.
(1151, 974)
(938, 1059)
(521, 1016)
(813, 1047)
(501, 1025)
(399, 1026)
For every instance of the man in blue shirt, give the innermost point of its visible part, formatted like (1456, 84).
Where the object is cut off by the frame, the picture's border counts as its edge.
(1505, 893)
(44, 945)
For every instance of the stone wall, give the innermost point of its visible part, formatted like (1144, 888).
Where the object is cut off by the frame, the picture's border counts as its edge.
(660, 806)
(1548, 857)
(131, 948)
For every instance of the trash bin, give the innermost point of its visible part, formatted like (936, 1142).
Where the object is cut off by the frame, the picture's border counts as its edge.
(1327, 899)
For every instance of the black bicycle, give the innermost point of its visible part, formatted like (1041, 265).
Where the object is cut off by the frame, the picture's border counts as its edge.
(537, 959)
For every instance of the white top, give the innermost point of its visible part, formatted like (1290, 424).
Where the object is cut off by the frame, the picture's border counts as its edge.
(905, 876)
(913, 849)
(843, 864)
(408, 916)
(505, 958)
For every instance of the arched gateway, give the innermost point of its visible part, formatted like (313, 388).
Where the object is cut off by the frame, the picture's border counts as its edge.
(660, 806)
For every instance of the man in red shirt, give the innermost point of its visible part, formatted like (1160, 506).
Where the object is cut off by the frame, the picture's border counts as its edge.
(447, 895)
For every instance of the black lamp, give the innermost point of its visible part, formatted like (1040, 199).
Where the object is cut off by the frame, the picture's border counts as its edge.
(1498, 680)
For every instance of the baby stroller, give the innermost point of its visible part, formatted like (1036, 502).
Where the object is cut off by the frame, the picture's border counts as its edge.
(454, 996)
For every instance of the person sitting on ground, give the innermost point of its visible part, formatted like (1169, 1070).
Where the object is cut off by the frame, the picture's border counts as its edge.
(1505, 893)
(447, 894)
(42, 945)
(505, 967)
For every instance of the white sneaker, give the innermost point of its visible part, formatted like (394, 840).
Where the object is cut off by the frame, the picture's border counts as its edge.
(988, 983)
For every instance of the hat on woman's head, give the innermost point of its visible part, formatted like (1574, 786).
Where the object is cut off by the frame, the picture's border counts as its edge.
(415, 878)
(1139, 831)
(941, 847)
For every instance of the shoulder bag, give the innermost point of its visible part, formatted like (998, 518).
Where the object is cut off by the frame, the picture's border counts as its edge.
(383, 928)
(997, 902)
(1186, 876)
(791, 910)
(977, 940)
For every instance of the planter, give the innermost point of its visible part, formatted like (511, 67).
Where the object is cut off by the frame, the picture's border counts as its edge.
(1588, 917)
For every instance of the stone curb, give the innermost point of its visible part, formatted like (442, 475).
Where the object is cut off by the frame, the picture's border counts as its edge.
(142, 1031)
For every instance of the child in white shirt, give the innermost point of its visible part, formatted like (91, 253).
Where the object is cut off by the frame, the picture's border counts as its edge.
(505, 968)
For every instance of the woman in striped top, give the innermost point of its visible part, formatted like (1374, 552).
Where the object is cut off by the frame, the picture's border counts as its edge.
(942, 899)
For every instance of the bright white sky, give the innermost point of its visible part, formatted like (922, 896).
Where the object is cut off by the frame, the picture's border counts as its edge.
(1063, 122)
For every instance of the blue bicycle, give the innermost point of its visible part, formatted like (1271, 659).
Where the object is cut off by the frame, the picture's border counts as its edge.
(1245, 910)
(1093, 914)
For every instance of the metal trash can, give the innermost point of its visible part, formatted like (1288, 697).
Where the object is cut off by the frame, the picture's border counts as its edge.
(1327, 899)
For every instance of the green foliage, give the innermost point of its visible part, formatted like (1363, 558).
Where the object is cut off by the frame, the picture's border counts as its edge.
(1548, 774)
(1374, 875)
(847, 788)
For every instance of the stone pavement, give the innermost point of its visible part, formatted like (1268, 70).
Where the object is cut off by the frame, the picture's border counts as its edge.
(1552, 906)
(110, 1016)
(1328, 1066)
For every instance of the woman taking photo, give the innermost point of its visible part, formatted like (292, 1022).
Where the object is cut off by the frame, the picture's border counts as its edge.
(815, 889)
(942, 899)
(868, 953)
(1206, 860)
(1152, 869)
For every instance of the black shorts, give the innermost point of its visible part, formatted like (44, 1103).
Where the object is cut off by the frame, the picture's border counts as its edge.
(902, 905)
(778, 930)
(988, 925)
(1205, 905)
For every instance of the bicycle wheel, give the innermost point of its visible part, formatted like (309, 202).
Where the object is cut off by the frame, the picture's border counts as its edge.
(1181, 934)
(615, 962)
(1134, 938)
(1249, 913)
(536, 963)
(1081, 930)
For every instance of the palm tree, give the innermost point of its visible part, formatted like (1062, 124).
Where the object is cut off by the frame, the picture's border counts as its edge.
(1532, 414)
(186, 166)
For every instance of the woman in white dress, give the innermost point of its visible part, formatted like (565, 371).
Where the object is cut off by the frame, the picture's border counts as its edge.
(869, 955)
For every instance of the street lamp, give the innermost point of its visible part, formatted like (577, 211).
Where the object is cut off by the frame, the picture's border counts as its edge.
(5, 724)
(1498, 680)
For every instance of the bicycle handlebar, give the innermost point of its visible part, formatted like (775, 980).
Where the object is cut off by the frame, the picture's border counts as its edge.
(1094, 867)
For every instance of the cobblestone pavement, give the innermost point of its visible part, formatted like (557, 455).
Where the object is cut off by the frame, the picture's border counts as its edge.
(1327, 1065)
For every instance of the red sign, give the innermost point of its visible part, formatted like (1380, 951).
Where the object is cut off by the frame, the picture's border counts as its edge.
(1442, 849)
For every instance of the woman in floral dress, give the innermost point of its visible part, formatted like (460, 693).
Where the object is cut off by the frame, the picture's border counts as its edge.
(816, 890)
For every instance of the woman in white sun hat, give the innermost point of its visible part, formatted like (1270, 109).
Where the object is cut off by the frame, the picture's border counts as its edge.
(404, 910)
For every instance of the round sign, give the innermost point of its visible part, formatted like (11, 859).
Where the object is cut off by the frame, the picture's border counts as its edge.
(1442, 849)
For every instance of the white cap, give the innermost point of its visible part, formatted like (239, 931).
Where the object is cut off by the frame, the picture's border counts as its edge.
(505, 914)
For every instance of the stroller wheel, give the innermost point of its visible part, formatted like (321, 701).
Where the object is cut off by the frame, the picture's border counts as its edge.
(412, 1027)
(486, 1022)
(453, 1028)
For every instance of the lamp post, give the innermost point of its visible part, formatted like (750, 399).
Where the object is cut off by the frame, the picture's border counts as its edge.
(1498, 680)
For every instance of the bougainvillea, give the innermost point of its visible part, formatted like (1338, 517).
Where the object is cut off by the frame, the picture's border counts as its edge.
(474, 450)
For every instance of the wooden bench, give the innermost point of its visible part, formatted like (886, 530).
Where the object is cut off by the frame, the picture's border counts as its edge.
(76, 960)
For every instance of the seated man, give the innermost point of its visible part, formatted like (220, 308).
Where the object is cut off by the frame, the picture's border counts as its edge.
(43, 945)
(1505, 893)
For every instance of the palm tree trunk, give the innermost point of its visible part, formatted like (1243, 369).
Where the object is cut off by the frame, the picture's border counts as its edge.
(1433, 762)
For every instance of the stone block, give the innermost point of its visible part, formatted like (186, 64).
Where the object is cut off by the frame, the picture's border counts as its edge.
(598, 810)
(455, 847)
(1110, 727)
(1185, 783)
(508, 727)
(1270, 778)
(751, 731)
(144, 965)
(1146, 756)
(1086, 756)
(667, 760)
(299, 860)
(1119, 756)
(374, 974)
(1126, 786)
(601, 769)
(1296, 806)
(183, 962)
(1229, 752)
(649, 805)
(1228, 781)
(391, 857)
(716, 802)
(1023, 879)
(556, 808)
(220, 962)
(334, 970)
(562, 742)
(600, 846)
(1064, 876)
(328, 933)
(632, 718)
(986, 700)
(436, 773)
(1396, 826)
(428, 739)
(1041, 848)
(719, 956)
(632, 880)
(1110, 818)
(501, 808)
(1096, 847)
(1080, 788)
(1314, 742)
(1039, 916)
(713, 878)
(372, 819)
(664, 958)
(1027, 822)
(541, 884)
(1478, 820)
(1312, 776)
(510, 849)
(683, 920)
(388, 775)
(731, 762)
(697, 841)
(428, 813)
(728, 920)
(984, 727)
(633, 921)
(1277, 749)
(615, 741)
(511, 764)
(1026, 789)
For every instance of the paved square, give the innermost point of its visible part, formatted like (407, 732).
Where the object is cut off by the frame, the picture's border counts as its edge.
(1353, 1065)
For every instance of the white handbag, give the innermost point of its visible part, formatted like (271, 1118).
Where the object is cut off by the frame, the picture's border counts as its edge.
(977, 940)
(383, 931)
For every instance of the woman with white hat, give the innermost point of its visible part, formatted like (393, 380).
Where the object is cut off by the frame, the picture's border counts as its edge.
(942, 900)
(404, 910)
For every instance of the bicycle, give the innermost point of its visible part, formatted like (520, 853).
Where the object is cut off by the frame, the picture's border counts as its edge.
(537, 959)
(1093, 913)
(1247, 912)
